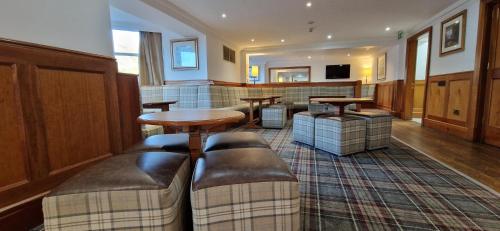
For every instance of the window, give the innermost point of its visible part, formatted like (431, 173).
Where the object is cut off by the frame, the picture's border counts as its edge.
(126, 46)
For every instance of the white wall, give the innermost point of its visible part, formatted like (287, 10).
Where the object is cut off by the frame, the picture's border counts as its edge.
(457, 62)
(395, 61)
(81, 25)
(318, 65)
(218, 68)
(138, 16)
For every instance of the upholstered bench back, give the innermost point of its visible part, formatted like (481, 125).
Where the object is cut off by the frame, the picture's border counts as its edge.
(210, 96)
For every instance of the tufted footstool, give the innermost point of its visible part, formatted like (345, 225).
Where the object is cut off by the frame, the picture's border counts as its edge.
(141, 191)
(378, 128)
(244, 189)
(340, 135)
(274, 116)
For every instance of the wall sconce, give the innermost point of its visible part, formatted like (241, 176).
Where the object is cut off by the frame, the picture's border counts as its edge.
(367, 72)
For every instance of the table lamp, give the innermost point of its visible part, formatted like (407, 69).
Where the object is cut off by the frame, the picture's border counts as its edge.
(254, 73)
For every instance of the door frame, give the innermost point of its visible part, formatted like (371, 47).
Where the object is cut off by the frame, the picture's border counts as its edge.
(411, 60)
(484, 46)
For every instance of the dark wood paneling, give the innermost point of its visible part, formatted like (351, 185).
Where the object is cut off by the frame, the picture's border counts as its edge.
(59, 112)
(129, 98)
(13, 161)
(389, 96)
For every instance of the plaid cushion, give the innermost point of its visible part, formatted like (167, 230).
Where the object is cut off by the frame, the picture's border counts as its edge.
(209, 97)
(243, 93)
(340, 135)
(347, 91)
(188, 97)
(267, 91)
(151, 94)
(378, 131)
(258, 206)
(231, 92)
(151, 130)
(171, 93)
(140, 209)
(368, 90)
(274, 116)
(254, 92)
(303, 128)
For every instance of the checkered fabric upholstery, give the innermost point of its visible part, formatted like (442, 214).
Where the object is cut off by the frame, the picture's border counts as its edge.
(210, 97)
(151, 130)
(303, 126)
(259, 206)
(171, 93)
(138, 206)
(378, 128)
(274, 116)
(188, 97)
(368, 90)
(150, 94)
(340, 135)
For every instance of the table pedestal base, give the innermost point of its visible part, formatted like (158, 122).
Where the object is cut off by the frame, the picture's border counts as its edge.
(194, 142)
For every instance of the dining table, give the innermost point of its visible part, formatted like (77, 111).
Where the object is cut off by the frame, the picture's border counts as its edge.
(341, 102)
(252, 122)
(163, 105)
(191, 122)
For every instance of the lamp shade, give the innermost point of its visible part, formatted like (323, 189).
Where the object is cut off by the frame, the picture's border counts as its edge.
(254, 71)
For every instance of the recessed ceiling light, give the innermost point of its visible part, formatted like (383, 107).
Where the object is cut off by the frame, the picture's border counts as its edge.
(387, 29)
(309, 4)
(349, 54)
(282, 40)
(223, 15)
(252, 40)
(309, 57)
(329, 36)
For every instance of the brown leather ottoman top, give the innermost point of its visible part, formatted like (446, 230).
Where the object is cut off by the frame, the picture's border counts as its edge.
(162, 143)
(230, 140)
(238, 166)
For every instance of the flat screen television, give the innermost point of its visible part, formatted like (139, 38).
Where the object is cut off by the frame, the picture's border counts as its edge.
(338, 71)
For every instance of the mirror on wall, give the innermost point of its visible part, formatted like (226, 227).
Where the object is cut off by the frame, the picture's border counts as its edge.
(290, 74)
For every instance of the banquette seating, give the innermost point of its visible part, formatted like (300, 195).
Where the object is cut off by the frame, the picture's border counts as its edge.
(228, 97)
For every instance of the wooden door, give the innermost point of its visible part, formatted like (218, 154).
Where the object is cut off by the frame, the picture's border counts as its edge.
(491, 129)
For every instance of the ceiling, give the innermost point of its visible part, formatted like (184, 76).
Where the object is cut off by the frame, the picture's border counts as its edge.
(269, 21)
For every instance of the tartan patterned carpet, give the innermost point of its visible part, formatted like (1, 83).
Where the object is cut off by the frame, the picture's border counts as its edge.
(389, 189)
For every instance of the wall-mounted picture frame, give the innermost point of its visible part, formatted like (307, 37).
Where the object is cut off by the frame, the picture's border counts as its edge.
(453, 32)
(184, 54)
(381, 66)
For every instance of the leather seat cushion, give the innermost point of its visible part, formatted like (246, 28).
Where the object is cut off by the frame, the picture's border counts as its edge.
(140, 171)
(166, 142)
(230, 140)
(239, 166)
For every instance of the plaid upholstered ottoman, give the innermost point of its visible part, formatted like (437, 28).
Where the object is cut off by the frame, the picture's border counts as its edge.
(378, 128)
(244, 189)
(142, 191)
(303, 126)
(340, 135)
(274, 116)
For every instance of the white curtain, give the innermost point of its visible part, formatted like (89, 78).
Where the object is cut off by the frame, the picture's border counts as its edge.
(150, 59)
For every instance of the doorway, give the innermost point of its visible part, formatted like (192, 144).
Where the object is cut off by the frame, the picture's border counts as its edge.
(418, 59)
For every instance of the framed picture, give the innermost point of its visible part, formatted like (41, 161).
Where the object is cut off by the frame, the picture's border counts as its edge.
(184, 54)
(381, 66)
(453, 34)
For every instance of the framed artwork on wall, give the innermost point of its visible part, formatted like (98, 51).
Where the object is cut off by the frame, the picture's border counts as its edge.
(381, 66)
(184, 54)
(453, 34)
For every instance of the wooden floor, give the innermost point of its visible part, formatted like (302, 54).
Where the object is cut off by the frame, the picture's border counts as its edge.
(478, 161)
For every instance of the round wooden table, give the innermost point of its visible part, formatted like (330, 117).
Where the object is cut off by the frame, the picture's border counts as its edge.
(191, 121)
(341, 102)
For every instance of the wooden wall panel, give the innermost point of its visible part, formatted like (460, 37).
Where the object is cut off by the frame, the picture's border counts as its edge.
(74, 112)
(59, 113)
(449, 104)
(436, 100)
(458, 102)
(389, 96)
(130, 109)
(13, 161)
(418, 98)
(494, 106)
